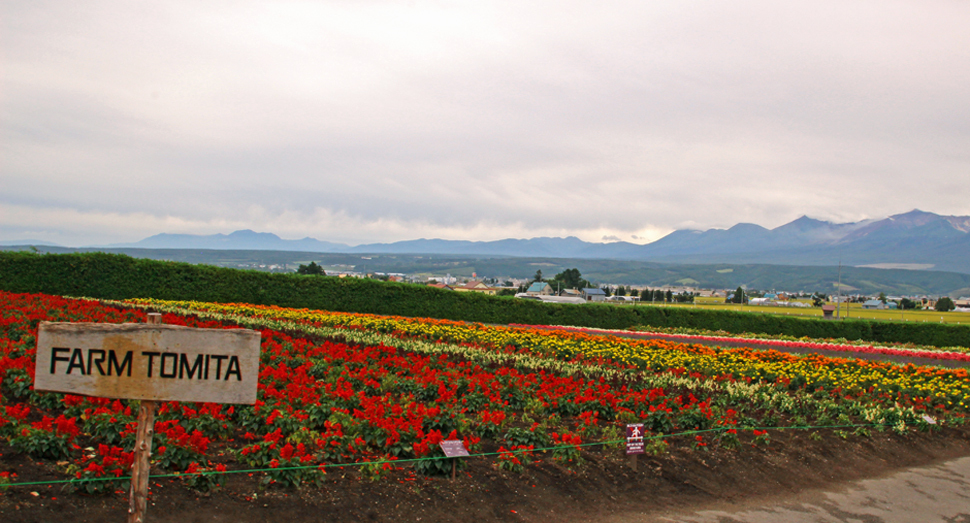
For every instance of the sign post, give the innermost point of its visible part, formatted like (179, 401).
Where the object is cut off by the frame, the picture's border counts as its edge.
(149, 362)
(454, 448)
(634, 443)
(141, 466)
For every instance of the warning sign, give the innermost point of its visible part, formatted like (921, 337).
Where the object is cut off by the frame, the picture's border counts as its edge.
(634, 438)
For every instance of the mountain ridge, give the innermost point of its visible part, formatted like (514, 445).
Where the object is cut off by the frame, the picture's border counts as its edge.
(914, 238)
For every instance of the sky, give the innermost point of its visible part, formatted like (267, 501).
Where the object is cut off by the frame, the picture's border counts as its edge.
(362, 121)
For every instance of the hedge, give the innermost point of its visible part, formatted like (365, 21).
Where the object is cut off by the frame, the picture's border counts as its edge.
(115, 276)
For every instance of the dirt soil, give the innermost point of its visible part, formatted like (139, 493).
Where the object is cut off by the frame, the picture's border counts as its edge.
(605, 485)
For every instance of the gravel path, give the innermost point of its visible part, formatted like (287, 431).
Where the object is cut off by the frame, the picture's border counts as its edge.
(939, 493)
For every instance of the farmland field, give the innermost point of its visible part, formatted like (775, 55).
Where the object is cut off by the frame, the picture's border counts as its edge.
(351, 409)
(855, 311)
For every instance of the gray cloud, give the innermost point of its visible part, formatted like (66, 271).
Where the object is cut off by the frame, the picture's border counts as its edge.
(379, 121)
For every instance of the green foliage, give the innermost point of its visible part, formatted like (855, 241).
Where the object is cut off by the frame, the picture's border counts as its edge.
(16, 384)
(42, 444)
(510, 460)
(94, 484)
(571, 279)
(738, 296)
(206, 480)
(656, 446)
(907, 303)
(313, 269)
(519, 437)
(110, 276)
(944, 304)
(440, 466)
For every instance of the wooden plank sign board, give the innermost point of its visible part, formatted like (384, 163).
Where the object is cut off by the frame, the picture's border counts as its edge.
(454, 448)
(148, 362)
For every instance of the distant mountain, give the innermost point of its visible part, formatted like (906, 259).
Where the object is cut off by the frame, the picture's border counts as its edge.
(570, 247)
(27, 243)
(239, 240)
(915, 239)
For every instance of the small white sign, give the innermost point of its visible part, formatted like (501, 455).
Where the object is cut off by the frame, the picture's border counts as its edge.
(148, 362)
(929, 420)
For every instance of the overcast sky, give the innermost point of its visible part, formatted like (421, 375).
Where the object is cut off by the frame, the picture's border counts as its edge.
(362, 121)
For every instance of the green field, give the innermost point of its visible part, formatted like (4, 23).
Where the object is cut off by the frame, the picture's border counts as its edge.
(855, 310)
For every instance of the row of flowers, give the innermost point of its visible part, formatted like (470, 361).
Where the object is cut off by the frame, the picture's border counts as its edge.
(947, 388)
(951, 354)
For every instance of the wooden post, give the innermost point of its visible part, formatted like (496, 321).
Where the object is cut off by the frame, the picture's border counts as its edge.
(138, 497)
(633, 461)
(454, 468)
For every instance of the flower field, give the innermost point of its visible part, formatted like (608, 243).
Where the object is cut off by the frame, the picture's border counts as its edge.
(883, 381)
(337, 389)
(910, 350)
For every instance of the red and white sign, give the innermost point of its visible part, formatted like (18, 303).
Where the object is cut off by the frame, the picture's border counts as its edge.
(634, 438)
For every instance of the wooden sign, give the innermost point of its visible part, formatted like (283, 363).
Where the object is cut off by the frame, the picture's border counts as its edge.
(148, 362)
(454, 448)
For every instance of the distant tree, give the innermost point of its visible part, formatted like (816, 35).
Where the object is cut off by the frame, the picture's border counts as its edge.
(738, 296)
(621, 291)
(634, 292)
(538, 276)
(944, 304)
(669, 297)
(312, 269)
(684, 297)
(818, 299)
(882, 297)
(607, 290)
(505, 292)
(658, 295)
(571, 279)
(907, 303)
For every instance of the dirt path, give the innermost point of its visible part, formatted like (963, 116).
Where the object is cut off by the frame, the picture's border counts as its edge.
(938, 493)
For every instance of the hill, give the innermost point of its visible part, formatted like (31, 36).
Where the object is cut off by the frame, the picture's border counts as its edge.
(893, 281)
(915, 239)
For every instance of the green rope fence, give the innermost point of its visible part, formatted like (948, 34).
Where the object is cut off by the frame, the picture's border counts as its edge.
(399, 461)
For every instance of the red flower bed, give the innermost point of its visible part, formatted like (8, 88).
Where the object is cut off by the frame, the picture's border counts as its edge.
(323, 401)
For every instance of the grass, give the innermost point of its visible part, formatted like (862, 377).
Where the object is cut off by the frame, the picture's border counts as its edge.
(855, 310)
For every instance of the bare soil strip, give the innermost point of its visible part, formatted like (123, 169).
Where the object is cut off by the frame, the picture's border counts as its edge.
(684, 481)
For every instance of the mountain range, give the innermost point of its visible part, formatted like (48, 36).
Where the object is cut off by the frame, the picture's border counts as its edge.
(914, 240)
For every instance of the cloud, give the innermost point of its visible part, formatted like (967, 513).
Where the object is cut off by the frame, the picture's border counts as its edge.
(381, 121)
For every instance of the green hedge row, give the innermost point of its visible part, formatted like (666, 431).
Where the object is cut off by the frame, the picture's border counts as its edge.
(99, 275)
